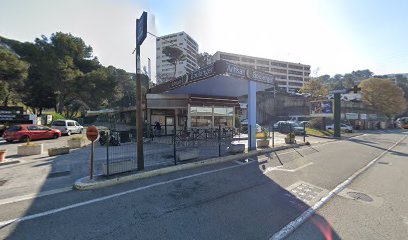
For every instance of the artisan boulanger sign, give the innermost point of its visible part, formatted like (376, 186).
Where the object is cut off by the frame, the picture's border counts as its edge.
(222, 67)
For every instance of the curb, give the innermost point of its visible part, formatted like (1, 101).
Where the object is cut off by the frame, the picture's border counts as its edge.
(100, 181)
(335, 138)
(9, 162)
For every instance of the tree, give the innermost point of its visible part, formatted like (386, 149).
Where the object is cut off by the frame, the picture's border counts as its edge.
(13, 72)
(203, 59)
(383, 95)
(175, 56)
(315, 88)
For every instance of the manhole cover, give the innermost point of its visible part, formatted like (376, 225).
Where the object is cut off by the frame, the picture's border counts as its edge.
(360, 196)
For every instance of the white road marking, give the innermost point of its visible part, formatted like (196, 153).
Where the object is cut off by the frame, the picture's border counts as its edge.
(33, 195)
(80, 204)
(285, 231)
(279, 168)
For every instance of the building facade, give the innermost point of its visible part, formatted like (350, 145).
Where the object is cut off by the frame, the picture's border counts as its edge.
(290, 76)
(165, 71)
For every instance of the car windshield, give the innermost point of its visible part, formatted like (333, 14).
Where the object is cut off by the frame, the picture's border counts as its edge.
(14, 129)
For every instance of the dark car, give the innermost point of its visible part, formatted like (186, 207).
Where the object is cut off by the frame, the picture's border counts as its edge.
(25, 132)
(288, 127)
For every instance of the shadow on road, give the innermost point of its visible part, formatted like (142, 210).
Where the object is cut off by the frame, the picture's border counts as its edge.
(240, 202)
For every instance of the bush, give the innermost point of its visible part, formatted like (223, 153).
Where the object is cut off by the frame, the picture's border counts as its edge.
(316, 123)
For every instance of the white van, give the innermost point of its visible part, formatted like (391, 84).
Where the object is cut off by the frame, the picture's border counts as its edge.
(67, 127)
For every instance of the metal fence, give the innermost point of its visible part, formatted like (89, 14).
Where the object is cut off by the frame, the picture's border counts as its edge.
(118, 149)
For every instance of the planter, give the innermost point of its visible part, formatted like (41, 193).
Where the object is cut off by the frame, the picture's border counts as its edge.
(76, 143)
(27, 150)
(236, 148)
(262, 143)
(58, 151)
(290, 140)
(3, 155)
(187, 155)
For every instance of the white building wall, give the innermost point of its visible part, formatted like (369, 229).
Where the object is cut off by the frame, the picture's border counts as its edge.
(291, 76)
(164, 69)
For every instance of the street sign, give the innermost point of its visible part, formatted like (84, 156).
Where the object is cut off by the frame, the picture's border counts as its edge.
(92, 133)
(141, 28)
(351, 116)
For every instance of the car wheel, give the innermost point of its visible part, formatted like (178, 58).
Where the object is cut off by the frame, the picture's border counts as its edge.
(69, 133)
(9, 141)
(80, 131)
(24, 139)
(55, 136)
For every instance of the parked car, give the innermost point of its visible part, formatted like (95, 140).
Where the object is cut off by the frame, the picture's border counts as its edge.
(276, 125)
(287, 127)
(343, 127)
(67, 127)
(244, 128)
(25, 132)
(305, 123)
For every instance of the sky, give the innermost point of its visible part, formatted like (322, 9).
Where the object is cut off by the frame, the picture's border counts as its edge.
(333, 36)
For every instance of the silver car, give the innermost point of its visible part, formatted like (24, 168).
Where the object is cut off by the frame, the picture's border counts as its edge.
(67, 127)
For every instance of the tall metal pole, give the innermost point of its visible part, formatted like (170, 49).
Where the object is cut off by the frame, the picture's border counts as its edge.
(139, 119)
(337, 114)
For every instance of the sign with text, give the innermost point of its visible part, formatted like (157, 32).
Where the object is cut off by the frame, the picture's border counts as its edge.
(351, 116)
(141, 29)
(322, 108)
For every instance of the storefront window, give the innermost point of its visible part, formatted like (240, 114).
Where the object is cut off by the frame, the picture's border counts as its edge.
(200, 111)
(201, 121)
(220, 111)
(223, 121)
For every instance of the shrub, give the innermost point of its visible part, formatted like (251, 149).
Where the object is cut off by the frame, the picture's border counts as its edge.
(316, 123)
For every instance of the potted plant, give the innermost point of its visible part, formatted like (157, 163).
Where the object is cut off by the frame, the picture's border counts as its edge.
(30, 148)
(290, 138)
(264, 142)
(2, 155)
(76, 142)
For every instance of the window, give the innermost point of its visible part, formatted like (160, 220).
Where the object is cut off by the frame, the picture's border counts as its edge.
(276, 64)
(278, 70)
(296, 84)
(229, 57)
(296, 78)
(223, 121)
(295, 72)
(201, 121)
(14, 129)
(248, 60)
(262, 68)
(200, 111)
(70, 124)
(32, 128)
(296, 67)
(58, 123)
(262, 62)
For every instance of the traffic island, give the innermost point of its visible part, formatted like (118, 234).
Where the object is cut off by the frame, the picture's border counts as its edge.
(101, 181)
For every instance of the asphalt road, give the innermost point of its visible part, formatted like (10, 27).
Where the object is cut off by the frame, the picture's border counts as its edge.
(233, 200)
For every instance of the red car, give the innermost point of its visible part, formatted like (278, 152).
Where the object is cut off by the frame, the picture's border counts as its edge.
(24, 132)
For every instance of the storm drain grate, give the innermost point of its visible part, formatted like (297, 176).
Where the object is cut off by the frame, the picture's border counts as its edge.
(58, 174)
(385, 163)
(2, 182)
(360, 196)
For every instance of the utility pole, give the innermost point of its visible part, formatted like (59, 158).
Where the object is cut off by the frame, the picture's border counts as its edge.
(141, 33)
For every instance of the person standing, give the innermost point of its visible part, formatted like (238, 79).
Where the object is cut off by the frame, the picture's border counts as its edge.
(157, 128)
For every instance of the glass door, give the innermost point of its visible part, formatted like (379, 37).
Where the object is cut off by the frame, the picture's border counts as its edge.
(169, 127)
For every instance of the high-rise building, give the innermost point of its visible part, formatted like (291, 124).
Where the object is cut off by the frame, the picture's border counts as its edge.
(288, 75)
(165, 71)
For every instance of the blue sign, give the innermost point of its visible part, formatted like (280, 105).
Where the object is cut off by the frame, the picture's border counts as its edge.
(141, 29)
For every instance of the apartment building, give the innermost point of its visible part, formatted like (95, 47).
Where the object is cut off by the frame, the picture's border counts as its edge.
(165, 71)
(288, 75)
